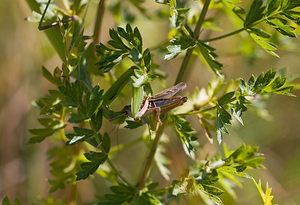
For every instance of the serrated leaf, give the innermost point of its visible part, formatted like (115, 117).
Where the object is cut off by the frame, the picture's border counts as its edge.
(96, 120)
(83, 131)
(282, 26)
(162, 161)
(121, 195)
(174, 50)
(266, 196)
(272, 5)
(209, 57)
(213, 190)
(94, 101)
(263, 41)
(225, 99)
(243, 86)
(255, 13)
(185, 131)
(75, 138)
(147, 59)
(133, 124)
(96, 159)
(137, 39)
(223, 119)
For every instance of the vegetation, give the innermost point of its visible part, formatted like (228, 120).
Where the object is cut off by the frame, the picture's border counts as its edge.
(91, 86)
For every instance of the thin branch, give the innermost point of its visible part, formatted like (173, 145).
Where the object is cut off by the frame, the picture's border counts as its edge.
(98, 23)
(123, 146)
(226, 35)
(114, 169)
(150, 157)
(189, 52)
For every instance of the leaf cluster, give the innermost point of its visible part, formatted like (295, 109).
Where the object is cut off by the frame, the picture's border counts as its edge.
(77, 106)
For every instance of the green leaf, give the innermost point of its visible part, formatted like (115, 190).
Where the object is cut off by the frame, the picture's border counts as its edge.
(266, 196)
(278, 82)
(114, 117)
(81, 134)
(5, 201)
(147, 59)
(116, 88)
(133, 124)
(96, 120)
(55, 37)
(96, 159)
(290, 4)
(162, 161)
(272, 6)
(140, 78)
(262, 39)
(213, 190)
(63, 167)
(106, 143)
(137, 39)
(174, 50)
(94, 100)
(243, 86)
(185, 131)
(223, 119)
(48, 75)
(225, 99)
(42, 133)
(282, 26)
(209, 57)
(255, 13)
(137, 100)
(263, 80)
(162, 1)
(121, 195)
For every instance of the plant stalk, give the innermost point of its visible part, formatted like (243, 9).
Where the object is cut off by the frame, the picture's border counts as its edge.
(189, 52)
(150, 157)
(112, 166)
(98, 23)
(226, 35)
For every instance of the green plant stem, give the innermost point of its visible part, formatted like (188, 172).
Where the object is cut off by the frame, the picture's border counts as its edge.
(189, 52)
(123, 146)
(204, 110)
(150, 157)
(72, 194)
(226, 35)
(114, 169)
(98, 23)
(43, 16)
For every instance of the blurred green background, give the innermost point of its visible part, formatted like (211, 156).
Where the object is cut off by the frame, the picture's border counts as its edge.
(24, 168)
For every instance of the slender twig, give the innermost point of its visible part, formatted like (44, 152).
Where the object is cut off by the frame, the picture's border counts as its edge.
(114, 169)
(150, 157)
(123, 146)
(98, 23)
(189, 52)
(43, 15)
(194, 112)
(226, 35)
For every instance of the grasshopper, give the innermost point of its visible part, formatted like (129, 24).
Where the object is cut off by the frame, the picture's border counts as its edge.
(158, 104)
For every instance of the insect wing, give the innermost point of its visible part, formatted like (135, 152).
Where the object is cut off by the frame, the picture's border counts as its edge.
(170, 91)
